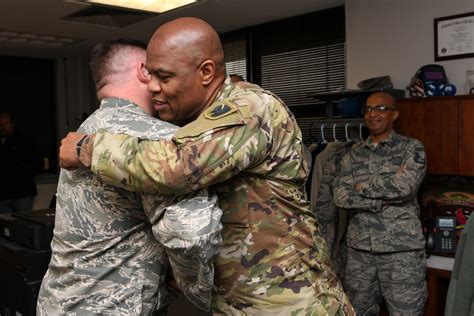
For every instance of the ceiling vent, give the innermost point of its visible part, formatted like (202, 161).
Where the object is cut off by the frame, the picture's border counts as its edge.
(107, 16)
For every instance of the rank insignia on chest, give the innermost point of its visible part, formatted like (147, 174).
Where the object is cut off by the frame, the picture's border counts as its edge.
(220, 110)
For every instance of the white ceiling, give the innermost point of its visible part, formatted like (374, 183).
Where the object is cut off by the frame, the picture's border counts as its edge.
(42, 17)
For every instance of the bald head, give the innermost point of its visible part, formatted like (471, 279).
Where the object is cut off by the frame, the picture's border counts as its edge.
(382, 98)
(380, 113)
(191, 39)
(186, 62)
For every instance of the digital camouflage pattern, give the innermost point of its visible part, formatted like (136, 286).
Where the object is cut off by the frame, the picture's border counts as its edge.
(384, 236)
(384, 213)
(246, 146)
(332, 220)
(105, 258)
(370, 278)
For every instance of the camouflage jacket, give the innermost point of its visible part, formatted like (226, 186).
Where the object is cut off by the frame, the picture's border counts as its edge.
(247, 146)
(332, 220)
(384, 212)
(105, 258)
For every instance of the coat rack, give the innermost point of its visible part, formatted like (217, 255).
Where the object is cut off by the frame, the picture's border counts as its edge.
(338, 130)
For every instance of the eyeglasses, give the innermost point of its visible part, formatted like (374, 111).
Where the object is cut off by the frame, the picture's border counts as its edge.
(379, 109)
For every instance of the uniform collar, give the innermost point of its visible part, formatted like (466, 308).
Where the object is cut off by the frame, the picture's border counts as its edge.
(114, 103)
(390, 140)
(225, 90)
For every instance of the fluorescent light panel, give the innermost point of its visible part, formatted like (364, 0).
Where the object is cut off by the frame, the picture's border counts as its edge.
(36, 39)
(157, 6)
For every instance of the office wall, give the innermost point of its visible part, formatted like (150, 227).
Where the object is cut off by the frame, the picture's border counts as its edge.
(396, 37)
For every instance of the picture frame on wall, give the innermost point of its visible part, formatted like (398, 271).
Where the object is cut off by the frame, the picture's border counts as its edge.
(454, 36)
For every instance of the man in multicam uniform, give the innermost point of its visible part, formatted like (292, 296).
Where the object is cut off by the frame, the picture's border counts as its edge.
(105, 258)
(242, 141)
(378, 182)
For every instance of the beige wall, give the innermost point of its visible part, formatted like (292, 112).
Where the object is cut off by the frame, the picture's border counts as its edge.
(396, 37)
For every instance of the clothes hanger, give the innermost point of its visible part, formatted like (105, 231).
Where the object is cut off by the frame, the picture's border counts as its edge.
(322, 134)
(334, 132)
(347, 132)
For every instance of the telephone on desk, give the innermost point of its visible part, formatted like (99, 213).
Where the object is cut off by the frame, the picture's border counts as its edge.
(443, 228)
(440, 234)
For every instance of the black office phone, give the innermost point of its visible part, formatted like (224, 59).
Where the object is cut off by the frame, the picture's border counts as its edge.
(445, 234)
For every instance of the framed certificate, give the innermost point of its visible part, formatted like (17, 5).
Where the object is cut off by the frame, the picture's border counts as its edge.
(454, 36)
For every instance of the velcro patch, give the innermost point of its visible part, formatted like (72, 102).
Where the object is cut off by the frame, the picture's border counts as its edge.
(220, 109)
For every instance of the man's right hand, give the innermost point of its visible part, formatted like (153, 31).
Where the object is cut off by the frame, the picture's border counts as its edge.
(68, 158)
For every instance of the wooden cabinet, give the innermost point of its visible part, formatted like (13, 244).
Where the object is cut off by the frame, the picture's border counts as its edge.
(437, 282)
(445, 127)
(466, 137)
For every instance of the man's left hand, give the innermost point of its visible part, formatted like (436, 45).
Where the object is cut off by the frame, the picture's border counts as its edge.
(68, 158)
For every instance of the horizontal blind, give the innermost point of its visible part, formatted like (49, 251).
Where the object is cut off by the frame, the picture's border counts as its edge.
(293, 75)
(235, 57)
(304, 55)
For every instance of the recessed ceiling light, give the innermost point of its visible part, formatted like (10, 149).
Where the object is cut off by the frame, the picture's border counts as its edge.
(142, 5)
(27, 35)
(67, 40)
(47, 38)
(37, 39)
(56, 44)
(18, 40)
(8, 33)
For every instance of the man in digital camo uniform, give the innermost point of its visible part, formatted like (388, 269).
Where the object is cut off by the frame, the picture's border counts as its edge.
(242, 141)
(105, 258)
(378, 182)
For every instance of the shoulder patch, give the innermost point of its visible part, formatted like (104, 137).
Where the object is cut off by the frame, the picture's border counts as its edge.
(220, 109)
(218, 115)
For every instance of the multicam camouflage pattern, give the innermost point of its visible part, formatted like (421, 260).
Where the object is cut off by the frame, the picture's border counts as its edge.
(105, 257)
(247, 146)
(384, 213)
(370, 276)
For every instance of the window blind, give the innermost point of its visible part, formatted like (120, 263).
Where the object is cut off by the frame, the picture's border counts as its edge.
(294, 57)
(235, 55)
(303, 55)
(295, 74)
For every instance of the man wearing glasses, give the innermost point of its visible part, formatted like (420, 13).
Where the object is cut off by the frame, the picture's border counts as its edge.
(378, 182)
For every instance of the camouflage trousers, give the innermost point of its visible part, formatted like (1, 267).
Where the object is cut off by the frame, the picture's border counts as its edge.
(398, 278)
(304, 303)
